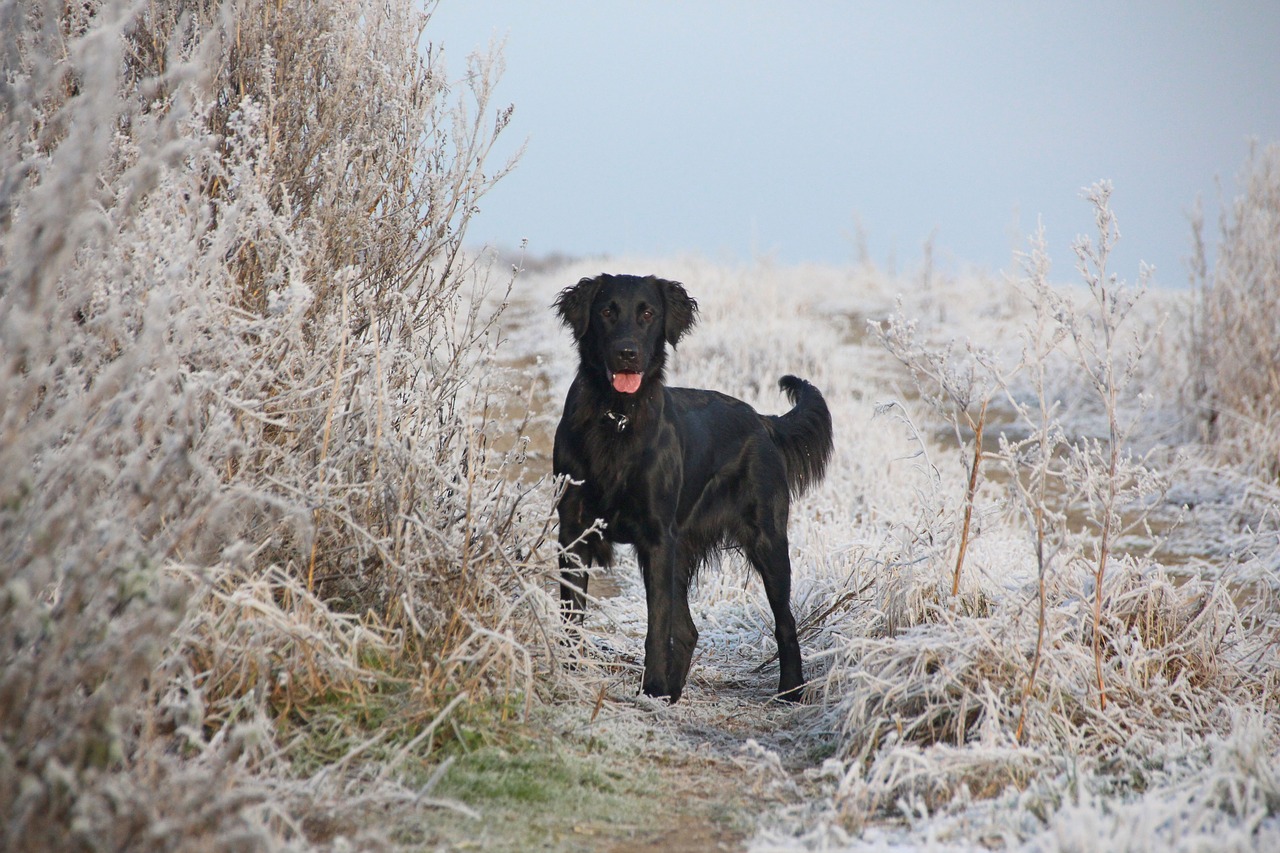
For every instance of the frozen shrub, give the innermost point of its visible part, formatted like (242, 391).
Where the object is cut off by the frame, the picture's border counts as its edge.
(104, 394)
(238, 395)
(1235, 329)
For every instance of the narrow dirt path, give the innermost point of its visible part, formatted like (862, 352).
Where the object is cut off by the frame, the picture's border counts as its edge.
(633, 774)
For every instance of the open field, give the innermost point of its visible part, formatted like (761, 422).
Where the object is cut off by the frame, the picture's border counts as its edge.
(918, 693)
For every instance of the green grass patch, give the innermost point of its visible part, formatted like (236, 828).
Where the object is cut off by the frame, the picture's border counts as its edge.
(326, 728)
(499, 776)
(540, 794)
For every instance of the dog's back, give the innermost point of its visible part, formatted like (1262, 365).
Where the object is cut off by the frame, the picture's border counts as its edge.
(736, 460)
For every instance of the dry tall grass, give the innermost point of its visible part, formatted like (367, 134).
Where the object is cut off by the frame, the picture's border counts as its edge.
(250, 507)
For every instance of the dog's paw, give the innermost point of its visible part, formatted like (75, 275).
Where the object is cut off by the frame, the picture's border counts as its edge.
(656, 688)
(795, 695)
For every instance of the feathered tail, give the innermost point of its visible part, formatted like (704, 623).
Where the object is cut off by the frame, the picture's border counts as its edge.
(802, 434)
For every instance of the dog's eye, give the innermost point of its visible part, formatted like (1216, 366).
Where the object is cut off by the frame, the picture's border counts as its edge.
(646, 315)
(609, 313)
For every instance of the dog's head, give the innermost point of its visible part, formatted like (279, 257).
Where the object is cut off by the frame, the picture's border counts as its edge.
(622, 324)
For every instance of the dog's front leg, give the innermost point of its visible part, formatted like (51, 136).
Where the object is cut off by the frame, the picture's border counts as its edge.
(581, 547)
(657, 563)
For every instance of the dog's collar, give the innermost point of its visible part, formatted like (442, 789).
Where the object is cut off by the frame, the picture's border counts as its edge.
(620, 422)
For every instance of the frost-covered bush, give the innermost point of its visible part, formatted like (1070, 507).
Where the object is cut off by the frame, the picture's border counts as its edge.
(111, 354)
(247, 465)
(1235, 327)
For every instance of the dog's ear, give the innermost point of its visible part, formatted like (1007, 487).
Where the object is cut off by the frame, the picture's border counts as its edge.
(574, 305)
(681, 310)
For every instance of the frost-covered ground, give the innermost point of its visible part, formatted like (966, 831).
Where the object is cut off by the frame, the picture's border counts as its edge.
(927, 728)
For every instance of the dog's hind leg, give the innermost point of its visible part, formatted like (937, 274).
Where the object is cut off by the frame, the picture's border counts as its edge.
(772, 561)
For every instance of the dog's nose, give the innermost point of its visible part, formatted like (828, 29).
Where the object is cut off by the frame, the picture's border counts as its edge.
(628, 356)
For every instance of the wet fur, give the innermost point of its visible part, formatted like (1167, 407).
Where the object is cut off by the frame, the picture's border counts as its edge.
(676, 472)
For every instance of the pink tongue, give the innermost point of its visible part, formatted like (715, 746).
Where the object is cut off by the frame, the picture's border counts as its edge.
(626, 383)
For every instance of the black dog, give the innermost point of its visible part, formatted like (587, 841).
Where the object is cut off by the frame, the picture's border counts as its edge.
(675, 472)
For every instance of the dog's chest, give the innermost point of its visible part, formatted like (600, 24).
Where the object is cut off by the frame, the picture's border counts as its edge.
(614, 474)
(619, 489)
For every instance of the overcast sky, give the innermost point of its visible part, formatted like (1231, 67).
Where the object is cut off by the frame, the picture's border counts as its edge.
(744, 129)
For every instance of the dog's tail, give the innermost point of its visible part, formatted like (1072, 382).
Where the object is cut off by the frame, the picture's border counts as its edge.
(802, 434)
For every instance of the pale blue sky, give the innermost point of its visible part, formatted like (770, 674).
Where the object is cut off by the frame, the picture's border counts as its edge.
(737, 129)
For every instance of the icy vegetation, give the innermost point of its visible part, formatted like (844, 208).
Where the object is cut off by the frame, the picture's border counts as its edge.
(275, 510)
